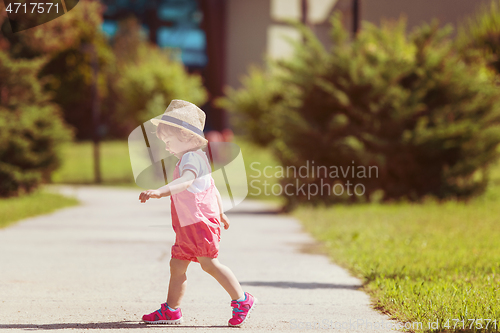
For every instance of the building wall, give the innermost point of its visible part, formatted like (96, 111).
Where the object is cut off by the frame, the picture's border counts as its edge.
(246, 29)
(419, 11)
(256, 28)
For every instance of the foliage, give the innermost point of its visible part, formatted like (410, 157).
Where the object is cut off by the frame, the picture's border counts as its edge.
(420, 263)
(31, 128)
(255, 106)
(479, 36)
(39, 202)
(77, 164)
(77, 167)
(149, 78)
(68, 43)
(135, 79)
(256, 159)
(411, 106)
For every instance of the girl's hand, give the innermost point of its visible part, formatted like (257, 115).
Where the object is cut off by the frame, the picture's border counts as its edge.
(145, 195)
(224, 220)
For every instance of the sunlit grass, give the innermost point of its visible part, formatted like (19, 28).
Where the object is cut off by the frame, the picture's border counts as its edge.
(78, 167)
(420, 262)
(78, 164)
(37, 203)
(256, 159)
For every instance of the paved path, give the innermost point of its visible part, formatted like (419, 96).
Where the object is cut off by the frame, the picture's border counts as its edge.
(101, 265)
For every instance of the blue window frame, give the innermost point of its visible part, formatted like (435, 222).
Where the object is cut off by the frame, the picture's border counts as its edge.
(179, 30)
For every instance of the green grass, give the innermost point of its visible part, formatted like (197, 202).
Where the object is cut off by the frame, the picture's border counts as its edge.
(37, 203)
(420, 262)
(77, 166)
(256, 159)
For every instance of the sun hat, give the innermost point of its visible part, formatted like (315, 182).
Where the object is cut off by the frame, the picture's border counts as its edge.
(185, 115)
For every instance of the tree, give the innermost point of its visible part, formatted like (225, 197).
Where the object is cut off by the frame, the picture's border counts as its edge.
(410, 105)
(255, 106)
(479, 36)
(148, 78)
(67, 42)
(31, 127)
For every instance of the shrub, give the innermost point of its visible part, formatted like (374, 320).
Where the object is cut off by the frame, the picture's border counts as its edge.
(409, 105)
(67, 42)
(146, 88)
(148, 78)
(135, 82)
(479, 36)
(255, 106)
(31, 128)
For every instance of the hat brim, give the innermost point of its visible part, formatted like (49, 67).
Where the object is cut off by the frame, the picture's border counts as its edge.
(156, 122)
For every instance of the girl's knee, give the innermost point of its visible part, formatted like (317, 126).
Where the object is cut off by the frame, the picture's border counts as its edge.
(178, 266)
(209, 265)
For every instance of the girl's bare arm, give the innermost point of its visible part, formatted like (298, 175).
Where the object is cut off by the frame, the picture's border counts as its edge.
(223, 216)
(174, 187)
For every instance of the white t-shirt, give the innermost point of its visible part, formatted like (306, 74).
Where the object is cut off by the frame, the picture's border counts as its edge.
(199, 165)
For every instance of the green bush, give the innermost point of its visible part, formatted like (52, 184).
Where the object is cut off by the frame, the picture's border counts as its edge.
(31, 128)
(255, 106)
(479, 36)
(135, 81)
(68, 43)
(148, 78)
(410, 107)
(148, 87)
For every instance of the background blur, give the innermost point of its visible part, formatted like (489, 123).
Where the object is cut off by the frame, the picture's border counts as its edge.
(99, 71)
(409, 88)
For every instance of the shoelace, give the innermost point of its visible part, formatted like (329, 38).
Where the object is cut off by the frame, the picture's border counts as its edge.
(159, 310)
(235, 305)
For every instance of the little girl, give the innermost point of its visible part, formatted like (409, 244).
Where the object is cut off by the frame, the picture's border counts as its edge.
(197, 212)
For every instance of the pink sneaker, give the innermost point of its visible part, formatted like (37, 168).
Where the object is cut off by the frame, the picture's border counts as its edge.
(164, 316)
(241, 310)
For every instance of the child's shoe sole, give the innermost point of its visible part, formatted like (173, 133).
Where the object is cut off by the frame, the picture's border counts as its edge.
(248, 314)
(167, 322)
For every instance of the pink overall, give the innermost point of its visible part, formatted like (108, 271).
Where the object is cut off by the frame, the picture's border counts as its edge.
(195, 219)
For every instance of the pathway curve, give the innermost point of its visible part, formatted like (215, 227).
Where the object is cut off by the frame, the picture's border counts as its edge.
(101, 265)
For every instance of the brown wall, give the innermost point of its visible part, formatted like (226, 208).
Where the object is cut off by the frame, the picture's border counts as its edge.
(248, 23)
(246, 33)
(419, 11)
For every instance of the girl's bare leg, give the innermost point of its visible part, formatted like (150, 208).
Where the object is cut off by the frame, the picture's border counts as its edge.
(223, 275)
(178, 282)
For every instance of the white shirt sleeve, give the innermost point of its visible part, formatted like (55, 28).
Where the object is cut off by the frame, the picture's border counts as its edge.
(194, 162)
(191, 161)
